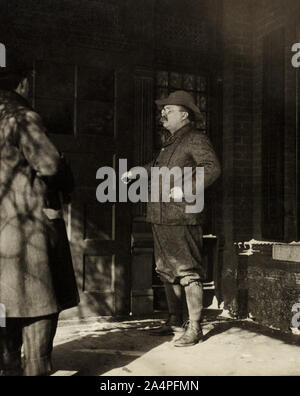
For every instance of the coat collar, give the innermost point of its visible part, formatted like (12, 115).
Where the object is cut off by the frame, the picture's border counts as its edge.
(180, 132)
(14, 96)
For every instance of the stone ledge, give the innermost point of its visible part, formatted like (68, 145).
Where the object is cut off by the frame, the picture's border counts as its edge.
(253, 246)
(286, 252)
(285, 256)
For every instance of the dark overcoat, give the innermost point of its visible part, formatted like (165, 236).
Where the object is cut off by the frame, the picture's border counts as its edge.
(26, 234)
(187, 147)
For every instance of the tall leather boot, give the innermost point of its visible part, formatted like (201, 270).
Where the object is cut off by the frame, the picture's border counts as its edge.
(194, 298)
(174, 301)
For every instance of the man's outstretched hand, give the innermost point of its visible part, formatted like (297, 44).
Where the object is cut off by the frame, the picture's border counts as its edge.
(127, 176)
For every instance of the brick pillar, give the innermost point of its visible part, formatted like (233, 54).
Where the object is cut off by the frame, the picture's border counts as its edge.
(269, 16)
(237, 139)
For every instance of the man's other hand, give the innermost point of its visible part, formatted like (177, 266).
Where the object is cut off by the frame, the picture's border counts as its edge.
(176, 193)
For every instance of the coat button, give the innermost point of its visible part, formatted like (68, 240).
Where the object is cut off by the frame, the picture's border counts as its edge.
(162, 149)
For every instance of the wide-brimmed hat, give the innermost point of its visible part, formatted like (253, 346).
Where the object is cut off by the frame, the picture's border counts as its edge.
(180, 98)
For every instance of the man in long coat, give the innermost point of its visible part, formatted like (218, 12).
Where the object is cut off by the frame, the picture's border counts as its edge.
(32, 266)
(177, 233)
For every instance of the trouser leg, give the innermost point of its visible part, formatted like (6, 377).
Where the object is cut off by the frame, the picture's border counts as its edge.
(174, 299)
(38, 336)
(174, 322)
(10, 348)
(194, 300)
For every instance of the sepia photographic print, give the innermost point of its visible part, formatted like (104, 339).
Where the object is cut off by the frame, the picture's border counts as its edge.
(149, 191)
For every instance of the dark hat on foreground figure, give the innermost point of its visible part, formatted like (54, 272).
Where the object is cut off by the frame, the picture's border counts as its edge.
(180, 98)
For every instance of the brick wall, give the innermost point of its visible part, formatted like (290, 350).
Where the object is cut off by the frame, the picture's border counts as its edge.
(270, 15)
(237, 99)
(237, 137)
(245, 24)
(267, 288)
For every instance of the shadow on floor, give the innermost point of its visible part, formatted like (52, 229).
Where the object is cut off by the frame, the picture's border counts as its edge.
(256, 329)
(104, 349)
(96, 347)
(101, 344)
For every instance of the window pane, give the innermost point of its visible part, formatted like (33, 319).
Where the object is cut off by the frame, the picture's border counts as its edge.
(176, 80)
(201, 102)
(189, 82)
(95, 109)
(54, 80)
(96, 84)
(161, 93)
(162, 78)
(95, 118)
(57, 115)
(201, 84)
(201, 123)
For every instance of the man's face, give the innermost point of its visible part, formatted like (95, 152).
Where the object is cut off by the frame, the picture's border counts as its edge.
(172, 117)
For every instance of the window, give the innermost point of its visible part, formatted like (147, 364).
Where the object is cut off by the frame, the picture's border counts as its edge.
(74, 99)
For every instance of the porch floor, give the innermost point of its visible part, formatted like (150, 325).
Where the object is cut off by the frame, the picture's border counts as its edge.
(110, 347)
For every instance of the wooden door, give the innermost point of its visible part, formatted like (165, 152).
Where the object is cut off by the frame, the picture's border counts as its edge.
(87, 113)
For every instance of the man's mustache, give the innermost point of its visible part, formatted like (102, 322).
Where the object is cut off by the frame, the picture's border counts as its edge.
(163, 118)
